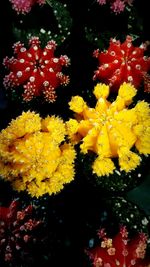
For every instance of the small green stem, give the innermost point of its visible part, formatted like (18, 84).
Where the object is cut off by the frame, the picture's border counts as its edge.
(48, 2)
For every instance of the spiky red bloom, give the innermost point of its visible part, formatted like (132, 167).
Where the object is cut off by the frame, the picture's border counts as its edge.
(117, 6)
(36, 69)
(120, 251)
(24, 6)
(17, 231)
(122, 63)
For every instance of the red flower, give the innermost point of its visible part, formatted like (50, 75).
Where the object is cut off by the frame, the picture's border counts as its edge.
(117, 6)
(122, 63)
(24, 6)
(37, 69)
(17, 228)
(119, 251)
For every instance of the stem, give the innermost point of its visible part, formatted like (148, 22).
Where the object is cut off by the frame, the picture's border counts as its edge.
(48, 2)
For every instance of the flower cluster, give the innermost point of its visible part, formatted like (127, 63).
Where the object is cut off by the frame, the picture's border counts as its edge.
(24, 6)
(36, 69)
(122, 63)
(119, 251)
(17, 230)
(117, 6)
(32, 156)
(111, 130)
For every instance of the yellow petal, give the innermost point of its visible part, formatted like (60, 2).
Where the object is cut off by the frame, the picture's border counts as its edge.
(103, 166)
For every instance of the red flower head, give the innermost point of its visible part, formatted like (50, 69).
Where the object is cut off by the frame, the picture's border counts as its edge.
(122, 63)
(117, 6)
(36, 69)
(17, 230)
(119, 251)
(24, 6)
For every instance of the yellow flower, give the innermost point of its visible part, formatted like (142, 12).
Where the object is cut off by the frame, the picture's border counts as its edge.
(77, 104)
(72, 129)
(72, 126)
(142, 129)
(55, 126)
(33, 158)
(28, 122)
(127, 91)
(111, 130)
(128, 160)
(101, 90)
(104, 166)
(68, 153)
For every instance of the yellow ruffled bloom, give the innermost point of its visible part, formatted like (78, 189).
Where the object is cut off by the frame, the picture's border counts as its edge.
(77, 104)
(29, 122)
(32, 157)
(55, 126)
(72, 129)
(101, 90)
(104, 166)
(111, 130)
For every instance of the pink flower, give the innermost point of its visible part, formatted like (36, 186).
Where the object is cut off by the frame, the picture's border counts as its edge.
(36, 69)
(117, 6)
(120, 251)
(122, 63)
(24, 6)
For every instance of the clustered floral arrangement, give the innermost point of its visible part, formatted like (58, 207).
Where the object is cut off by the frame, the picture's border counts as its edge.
(117, 6)
(69, 157)
(23, 6)
(36, 162)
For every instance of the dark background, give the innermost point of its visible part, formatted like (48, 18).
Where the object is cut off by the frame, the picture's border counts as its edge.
(78, 211)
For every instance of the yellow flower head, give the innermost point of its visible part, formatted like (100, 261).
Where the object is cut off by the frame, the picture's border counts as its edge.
(55, 127)
(29, 122)
(101, 90)
(77, 104)
(32, 156)
(127, 96)
(111, 130)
